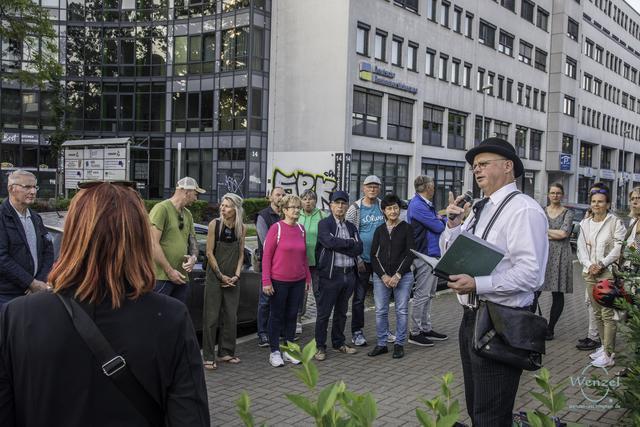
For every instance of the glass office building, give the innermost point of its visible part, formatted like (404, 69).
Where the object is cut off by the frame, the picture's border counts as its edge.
(192, 74)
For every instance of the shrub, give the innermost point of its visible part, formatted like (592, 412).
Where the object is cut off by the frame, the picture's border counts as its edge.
(252, 207)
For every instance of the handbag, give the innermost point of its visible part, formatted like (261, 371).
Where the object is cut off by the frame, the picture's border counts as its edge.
(113, 365)
(513, 336)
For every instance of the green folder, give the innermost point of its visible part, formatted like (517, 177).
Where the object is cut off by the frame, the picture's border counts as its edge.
(469, 254)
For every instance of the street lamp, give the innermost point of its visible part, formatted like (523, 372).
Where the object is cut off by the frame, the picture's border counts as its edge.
(484, 90)
(621, 197)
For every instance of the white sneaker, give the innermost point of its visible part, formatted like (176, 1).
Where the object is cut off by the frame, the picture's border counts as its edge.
(298, 328)
(391, 337)
(276, 359)
(288, 358)
(604, 361)
(599, 352)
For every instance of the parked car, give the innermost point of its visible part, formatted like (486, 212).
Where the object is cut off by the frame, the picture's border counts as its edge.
(579, 210)
(250, 281)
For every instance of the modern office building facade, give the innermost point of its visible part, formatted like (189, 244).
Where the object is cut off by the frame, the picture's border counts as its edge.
(318, 94)
(400, 88)
(184, 74)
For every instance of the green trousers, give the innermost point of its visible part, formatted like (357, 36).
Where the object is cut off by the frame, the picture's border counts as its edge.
(607, 327)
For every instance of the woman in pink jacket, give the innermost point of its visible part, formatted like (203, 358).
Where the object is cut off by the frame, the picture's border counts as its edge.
(285, 276)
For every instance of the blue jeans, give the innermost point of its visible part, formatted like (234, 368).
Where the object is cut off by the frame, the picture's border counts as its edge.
(283, 311)
(381, 295)
(263, 313)
(357, 303)
(167, 287)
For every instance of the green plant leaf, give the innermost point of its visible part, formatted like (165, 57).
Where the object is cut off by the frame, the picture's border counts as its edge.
(369, 407)
(244, 412)
(424, 419)
(533, 419)
(447, 420)
(303, 403)
(312, 370)
(543, 399)
(327, 399)
(309, 351)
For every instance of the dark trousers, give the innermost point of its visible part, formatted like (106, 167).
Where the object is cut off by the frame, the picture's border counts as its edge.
(334, 296)
(357, 304)
(167, 287)
(490, 387)
(283, 311)
(263, 313)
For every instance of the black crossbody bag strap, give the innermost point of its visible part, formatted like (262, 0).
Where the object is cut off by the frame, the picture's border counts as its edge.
(497, 212)
(113, 365)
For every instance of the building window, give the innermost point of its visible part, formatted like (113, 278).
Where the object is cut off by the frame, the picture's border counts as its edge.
(543, 101)
(509, 90)
(569, 106)
(509, 4)
(588, 48)
(400, 119)
(392, 170)
(381, 46)
(567, 144)
(232, 109)
(412, 56)
(586, 82)
(444, 14)
(542, 20)
(541, 60)
(362, 39)
(491, 79)
(442, 67)
(521, 142)
(235, 49)
(519, 93)
(535, 144)
(570, 67)
(192, 54)
(598, 57)
(431, 10)
(479, 79)
(429, 67)
(505, 44)
(525, 52)
(396, 51)
(367, 112)
(536, 92)
(526, 10)
(466, 76)
(500, 87)
(572, 29)
(432, 117)
(455, 138)
(597, 87)
(584, 185)
(586, 155)
(487, 34)
(455, 71)
(411, 5)
(478, 134)
(447, 176)
(468, 25)
(605, 158)
(501, 129)
(527, 97)
(457, 19)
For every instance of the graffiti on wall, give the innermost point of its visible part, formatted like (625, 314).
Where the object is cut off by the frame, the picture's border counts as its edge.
(298, 181)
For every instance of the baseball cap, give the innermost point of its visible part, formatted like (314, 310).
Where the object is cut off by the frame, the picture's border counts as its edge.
(339, 195)
(188, 183)
(372, 179)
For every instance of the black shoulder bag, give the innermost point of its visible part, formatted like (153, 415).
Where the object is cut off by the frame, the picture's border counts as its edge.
(113, 365)
(513, 336)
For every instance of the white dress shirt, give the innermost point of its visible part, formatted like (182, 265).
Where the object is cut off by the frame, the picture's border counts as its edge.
(521, 232)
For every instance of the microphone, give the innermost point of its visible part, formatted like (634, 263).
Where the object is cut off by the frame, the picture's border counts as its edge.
(468, 197)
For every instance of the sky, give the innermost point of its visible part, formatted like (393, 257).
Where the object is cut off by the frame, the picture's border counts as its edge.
(635, 4)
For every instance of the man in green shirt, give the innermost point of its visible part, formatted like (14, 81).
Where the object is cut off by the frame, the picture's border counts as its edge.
(175, 249)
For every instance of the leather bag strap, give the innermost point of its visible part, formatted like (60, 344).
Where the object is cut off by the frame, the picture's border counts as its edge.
(497, 212)
(111, 364)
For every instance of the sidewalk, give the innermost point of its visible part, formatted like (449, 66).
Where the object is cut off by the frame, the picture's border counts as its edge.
(397, 385)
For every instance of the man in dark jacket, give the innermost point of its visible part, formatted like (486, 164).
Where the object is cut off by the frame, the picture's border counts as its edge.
(427, 227)
(336, 261)
(265, 219)
(26, 251)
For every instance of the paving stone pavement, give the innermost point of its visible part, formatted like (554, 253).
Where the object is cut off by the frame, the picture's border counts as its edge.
(397, 385)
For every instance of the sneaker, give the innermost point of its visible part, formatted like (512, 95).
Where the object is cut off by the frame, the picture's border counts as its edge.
(345, 349)
(434, 336)
(275, 359)
(358, 339)
(320, 355)
(421, 340)
(391, 337)
(599, 352)
(589, 344)
(604, 361)
(288, 358)
(263, 340)
(298, 328)
(398, 351)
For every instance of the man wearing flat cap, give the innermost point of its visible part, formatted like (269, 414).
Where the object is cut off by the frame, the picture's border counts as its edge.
(520, 230)
(337, 252)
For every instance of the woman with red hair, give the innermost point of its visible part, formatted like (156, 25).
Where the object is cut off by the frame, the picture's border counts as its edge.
(49, 374)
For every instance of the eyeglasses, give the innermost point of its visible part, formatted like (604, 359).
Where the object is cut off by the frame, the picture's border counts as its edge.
(90, 184)
(634, 198)
(293, 207)
(599, 191)
(28, 187)
(483, 164)
(181, 221)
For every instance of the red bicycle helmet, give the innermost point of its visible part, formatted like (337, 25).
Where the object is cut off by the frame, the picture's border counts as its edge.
(605, 292)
